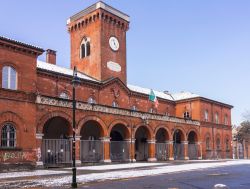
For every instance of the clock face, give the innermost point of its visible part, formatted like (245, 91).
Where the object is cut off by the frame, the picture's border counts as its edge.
(114, 43)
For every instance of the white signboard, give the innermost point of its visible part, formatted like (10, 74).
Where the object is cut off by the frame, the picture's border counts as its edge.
(114, 66)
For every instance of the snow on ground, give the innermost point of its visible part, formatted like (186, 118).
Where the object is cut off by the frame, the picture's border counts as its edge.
(119, 166)
(30, 173)
(112, 175)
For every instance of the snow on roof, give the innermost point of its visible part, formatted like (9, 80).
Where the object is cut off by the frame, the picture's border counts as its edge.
(159, 94)
(184, 95)
(164, 95)
(61, 70)
(147, 92)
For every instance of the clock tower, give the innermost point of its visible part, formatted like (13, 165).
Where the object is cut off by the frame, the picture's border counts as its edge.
(98, 42)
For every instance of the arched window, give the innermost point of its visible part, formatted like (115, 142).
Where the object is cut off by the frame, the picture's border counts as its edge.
(226, 120)
(216, 118)
(207, 143)
(218, 144)
(64, 95)
(9, 78)
(8, 136)
(206, 115)
(227, 144)
(186, 115)
(85, 48)
(133, 108)
(115, 104)
(91, 100)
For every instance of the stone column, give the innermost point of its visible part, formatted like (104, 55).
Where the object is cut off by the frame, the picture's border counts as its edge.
(151, 150)
(106, 149)
(199, 144)
(78, 150)
(131, 143)
(39, 137)
(185, 143)
(170, 144)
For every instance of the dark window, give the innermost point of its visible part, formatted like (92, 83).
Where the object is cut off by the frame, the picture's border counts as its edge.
(8, 136)
(88, 48)
(186, 115)
(83, 50)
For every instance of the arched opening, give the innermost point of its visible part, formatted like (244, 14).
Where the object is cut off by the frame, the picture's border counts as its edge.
(178, 137)
(56, 147)
(141, 143)
(91, 144)
(119, 143)
(193, 148)
(218, 148)
(162, 149)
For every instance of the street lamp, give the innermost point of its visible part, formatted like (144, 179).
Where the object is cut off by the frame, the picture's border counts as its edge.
(75, 81)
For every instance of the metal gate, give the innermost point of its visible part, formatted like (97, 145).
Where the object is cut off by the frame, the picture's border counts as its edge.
(119, 150)
(56, 152)
(193, 151)
(91, 151)
(162, 151)
(178, 151)
(228, 154)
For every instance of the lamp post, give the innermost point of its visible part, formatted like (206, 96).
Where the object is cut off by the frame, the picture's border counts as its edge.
(74, 83)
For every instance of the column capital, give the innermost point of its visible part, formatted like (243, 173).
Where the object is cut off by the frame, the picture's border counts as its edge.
(129, 140)
(105, 139)
(169, 141)
(151, 141)
(78, 137)
(184, 142)
(39, 135)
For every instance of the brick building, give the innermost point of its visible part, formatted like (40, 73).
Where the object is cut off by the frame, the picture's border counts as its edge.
(115, 121)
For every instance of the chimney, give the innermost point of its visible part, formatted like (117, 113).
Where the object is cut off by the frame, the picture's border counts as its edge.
(51, 56)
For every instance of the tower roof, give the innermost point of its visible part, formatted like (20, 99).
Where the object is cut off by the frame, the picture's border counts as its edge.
(98, 5)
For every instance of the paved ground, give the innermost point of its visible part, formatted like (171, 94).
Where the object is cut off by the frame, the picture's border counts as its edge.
(235, 177)
(181, 175)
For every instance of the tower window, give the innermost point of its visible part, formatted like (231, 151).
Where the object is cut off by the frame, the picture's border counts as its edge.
(85, 48)
(9, 78)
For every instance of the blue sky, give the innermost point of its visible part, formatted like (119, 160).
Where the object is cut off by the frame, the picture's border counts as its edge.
(197, 46)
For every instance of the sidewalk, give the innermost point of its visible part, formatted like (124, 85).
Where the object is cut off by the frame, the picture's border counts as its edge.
(62, 177)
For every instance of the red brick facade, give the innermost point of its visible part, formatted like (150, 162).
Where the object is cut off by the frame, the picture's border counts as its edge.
(38, 113)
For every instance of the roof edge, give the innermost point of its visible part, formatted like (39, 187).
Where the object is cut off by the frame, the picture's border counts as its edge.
(38, 50)
(98, 5)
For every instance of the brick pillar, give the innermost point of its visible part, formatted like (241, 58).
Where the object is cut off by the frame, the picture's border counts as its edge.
(185, 143)
(199, 145)
(39, 138)
(131, 143)
(170, 144)
(78, 150)
(151, 150)
(245, 149)
(106, 149)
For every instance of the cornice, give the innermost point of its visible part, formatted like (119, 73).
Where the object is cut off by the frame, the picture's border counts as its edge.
(45, 100)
